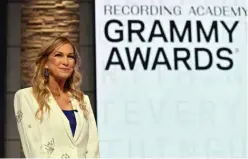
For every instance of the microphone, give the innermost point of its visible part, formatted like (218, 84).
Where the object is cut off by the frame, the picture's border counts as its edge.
(75, 110)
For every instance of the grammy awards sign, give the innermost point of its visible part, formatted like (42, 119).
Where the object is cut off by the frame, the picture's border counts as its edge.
(171, 78)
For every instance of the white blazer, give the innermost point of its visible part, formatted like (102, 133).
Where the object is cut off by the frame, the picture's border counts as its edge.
(52, 138)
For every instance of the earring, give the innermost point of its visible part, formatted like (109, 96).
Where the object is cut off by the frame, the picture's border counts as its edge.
(46, 73)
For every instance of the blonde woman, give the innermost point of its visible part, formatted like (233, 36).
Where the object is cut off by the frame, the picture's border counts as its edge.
(54, 118)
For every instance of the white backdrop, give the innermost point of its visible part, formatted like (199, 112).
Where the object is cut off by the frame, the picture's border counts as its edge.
(167, 107)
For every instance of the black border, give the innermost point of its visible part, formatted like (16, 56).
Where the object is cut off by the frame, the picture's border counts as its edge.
(3, 61)
(94, 56)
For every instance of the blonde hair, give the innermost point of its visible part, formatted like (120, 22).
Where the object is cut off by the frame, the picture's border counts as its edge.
(40, 83)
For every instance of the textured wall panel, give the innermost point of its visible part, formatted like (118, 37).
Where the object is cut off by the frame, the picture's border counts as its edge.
(42, 20)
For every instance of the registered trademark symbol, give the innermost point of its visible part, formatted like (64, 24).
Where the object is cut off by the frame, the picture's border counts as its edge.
(237, 50)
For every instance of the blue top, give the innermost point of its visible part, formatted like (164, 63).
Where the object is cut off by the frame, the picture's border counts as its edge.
(71, 117)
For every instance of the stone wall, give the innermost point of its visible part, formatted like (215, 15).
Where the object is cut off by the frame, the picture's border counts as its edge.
(42, 20)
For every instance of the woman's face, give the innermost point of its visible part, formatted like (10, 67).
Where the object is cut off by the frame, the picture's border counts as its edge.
(61, 62)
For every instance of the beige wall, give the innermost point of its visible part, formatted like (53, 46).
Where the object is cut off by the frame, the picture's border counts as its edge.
(12, 141)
